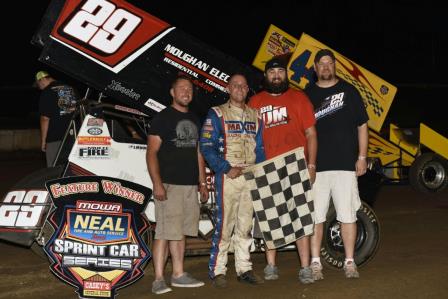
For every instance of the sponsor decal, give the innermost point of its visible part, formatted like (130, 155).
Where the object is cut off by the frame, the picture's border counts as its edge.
(154, 105)
(239, 127)
(95, 131)
(95, 122)
(193, 66)
(206, 134)
(330, 105)
(196, 64)
(137, 146)
(90, 140)
(97, 245)
(94, 152)
(274, 115)
(130, 110)
(117, 86)
(279, 44)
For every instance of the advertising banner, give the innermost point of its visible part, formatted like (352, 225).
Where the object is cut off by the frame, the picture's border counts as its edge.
(97, 245)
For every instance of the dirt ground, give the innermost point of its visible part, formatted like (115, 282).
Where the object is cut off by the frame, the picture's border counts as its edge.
(410, 263)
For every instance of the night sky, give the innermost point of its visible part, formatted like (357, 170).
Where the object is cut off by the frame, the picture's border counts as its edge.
(404, 42)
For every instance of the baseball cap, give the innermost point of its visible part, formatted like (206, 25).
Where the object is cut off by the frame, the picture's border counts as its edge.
(275, 62)
(41, 74)
(323, 52)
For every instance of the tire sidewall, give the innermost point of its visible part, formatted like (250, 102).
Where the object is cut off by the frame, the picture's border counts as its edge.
(367, 241)
(420, 163)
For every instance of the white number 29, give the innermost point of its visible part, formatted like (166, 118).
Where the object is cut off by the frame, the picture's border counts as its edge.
(102, 26)
(25, 215)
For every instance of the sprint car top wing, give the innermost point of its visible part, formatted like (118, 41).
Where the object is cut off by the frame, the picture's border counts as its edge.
(133, 56)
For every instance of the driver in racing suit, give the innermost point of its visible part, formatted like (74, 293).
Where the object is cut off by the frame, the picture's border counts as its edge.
(231, 139)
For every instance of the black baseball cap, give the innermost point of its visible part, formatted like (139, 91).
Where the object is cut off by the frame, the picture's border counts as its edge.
(275, 61)
(323, 52)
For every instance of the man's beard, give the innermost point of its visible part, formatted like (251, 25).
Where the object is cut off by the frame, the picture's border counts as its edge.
(276, 88)
(326, 77)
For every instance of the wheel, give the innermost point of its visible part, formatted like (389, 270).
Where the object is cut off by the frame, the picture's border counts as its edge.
(429, 173)
(148, 239)
(367, 239)
(45, 234)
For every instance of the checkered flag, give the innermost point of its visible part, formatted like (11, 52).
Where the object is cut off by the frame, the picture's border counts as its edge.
(280, 190)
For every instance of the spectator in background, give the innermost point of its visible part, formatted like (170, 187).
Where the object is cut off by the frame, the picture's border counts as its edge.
(56, 105)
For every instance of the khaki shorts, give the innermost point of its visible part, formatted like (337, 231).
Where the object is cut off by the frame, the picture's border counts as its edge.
(178, 215)
(342, 188)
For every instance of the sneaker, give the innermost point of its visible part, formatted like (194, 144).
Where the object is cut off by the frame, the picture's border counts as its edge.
(316, 268)
(306, 275)
(271, 272)
(250, 278)
(160, 287)
(350, 269)
(186, 281)
(220, 281)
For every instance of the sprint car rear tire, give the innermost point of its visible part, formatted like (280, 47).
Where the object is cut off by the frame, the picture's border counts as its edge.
(367, 240)
(429, 173)
(148, 239)
(38, 246)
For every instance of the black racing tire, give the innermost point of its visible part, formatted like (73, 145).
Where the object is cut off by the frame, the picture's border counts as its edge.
(38, 246)
(148, 239)
(369, 184)
(367, 239)
(429, 173)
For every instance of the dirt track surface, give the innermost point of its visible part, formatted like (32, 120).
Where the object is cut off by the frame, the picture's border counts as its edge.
(410, 263)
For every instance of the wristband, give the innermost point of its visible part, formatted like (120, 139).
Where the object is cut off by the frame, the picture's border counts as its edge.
(312, 166)
(203, 184)
(361, 157)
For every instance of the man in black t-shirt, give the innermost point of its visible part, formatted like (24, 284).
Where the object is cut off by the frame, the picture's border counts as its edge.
(341, 156)
(56, 105)
(176, 167)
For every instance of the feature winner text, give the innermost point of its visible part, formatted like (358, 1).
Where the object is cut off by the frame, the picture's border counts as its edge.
(77, 254)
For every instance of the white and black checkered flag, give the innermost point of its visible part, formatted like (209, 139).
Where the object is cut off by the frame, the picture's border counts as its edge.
(280, 190)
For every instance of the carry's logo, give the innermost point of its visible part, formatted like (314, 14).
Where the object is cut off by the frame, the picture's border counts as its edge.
(97, 244)
(111, 32)
(274, 116)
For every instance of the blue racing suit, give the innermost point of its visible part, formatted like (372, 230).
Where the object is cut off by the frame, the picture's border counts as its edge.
(231, 137)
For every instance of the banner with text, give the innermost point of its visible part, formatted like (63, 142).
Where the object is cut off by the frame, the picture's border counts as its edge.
(97, 245)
